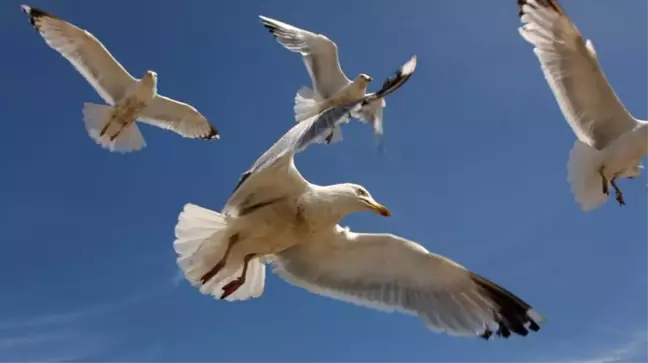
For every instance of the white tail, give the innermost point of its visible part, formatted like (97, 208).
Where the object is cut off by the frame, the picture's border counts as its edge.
(305, 105)
(201, 241)
(583, 175)
(96, 117)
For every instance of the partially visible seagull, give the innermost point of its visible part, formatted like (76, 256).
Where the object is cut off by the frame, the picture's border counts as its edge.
(130, 99)
(331, 87)
(276, 216)
(611, 142)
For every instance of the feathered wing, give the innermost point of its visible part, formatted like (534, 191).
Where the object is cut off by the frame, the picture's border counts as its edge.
(571, 68)
(274, 175)
(390, 273)
(320, 56)
(179, 117)
(85, 53)
(275, 171)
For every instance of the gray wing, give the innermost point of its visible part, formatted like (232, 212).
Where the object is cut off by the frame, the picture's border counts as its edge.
(275, 171)
(319, 52)
(390, 273)
(85, 53)
(592, 109)
(179, 117)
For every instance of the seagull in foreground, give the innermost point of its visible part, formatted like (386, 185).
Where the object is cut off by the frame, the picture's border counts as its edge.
(113, 127)
(611, 142)
(276, 216)
(331, 87)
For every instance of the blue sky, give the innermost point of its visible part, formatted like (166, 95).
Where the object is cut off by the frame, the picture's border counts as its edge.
(474, 169)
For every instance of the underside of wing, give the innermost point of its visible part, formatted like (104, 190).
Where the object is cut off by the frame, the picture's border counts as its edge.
(85, 52)
(571, 68)
(320, 55)
(390, 273)
(178, 117)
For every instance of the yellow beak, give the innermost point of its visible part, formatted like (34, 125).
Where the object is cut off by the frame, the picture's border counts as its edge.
(379, 208)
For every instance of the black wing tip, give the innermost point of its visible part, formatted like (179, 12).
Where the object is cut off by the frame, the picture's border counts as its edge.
(552, 4)
(212, 135)
(35, 13)
(267, 23)
(397, 79)
(514, 316)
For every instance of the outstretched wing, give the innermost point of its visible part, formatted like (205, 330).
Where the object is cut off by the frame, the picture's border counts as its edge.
(388, 272)
(593, 110)
(274, 175)
(179, 117)
(85, 52)
(319, 52)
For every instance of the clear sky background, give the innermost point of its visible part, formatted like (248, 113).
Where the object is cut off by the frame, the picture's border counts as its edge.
(474, 169)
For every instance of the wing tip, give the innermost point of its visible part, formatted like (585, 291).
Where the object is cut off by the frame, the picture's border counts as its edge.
(269, 24)
(513, 316)
(212, 135)
(34, 14)
(409, 67)
(547, 4)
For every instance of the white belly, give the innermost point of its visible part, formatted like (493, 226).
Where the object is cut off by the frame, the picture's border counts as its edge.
(623, 155)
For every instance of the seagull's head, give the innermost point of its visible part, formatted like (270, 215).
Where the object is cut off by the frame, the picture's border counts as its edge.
(150, 79)
(357, 198)
(364, 78)
(151, 75)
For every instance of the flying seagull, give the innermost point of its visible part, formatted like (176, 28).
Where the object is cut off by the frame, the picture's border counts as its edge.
(611, 142)
(331, 87)
(276, 216)
(129, 99)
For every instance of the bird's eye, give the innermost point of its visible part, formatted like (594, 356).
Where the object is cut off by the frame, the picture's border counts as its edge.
(361, 192)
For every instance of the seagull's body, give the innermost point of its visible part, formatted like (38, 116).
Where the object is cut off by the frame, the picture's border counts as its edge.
(611, 142)
(276, 216)
(129, 99)
(331, 87)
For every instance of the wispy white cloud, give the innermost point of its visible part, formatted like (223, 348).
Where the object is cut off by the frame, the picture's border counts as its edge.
(64, 336)
(52, 346)
(629, 349)
(91, 311)
(177, 278)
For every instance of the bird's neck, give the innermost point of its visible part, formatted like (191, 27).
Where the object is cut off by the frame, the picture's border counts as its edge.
(322, 207)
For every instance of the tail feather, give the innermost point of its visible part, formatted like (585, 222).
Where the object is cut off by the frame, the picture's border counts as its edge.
(583, 175)
(305, 104)
(96, 117)
(202, 238)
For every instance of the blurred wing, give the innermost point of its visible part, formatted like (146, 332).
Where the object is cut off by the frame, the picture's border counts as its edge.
(571, 68)
(390, 273)
(372, 113)
(179, 117)
(85, 52)
(275, 173)
(319, 52)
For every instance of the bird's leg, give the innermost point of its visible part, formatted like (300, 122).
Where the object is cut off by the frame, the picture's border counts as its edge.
(113, 137)
(219, 266)
(606, 191)
(329, 138)
(104, 129)
(234, 285)
(619, 194)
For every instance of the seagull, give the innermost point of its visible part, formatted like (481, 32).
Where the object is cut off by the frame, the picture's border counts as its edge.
(129, 99)
(331, 87)
(276, 216)
(610, 141)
